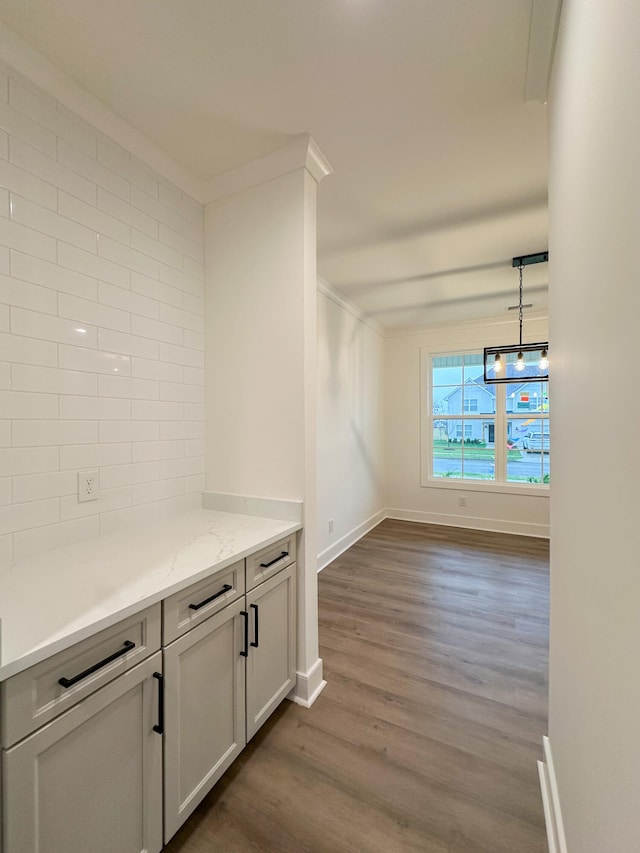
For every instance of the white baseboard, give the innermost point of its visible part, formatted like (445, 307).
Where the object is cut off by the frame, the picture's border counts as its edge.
(493, 525)
(308, 686)
(551, 802)
(329, 554)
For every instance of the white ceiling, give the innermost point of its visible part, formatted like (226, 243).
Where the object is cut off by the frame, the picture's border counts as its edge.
(440, 165)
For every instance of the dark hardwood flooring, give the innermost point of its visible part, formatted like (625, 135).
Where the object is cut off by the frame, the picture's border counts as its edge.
(434, 643)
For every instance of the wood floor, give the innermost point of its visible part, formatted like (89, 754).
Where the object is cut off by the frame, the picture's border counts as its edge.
(434, 643)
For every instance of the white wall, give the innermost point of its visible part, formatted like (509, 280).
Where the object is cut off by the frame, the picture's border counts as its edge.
(439, 504)
(594, 720)
(91, 239)
(350, 425)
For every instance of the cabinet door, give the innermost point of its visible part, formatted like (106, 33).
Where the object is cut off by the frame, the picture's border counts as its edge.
(92, 778)
(271, 664)
(204, 710)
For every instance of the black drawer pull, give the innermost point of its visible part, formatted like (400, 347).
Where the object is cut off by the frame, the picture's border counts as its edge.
(255, 643)
(245, 616)
(160, 725)
(275, 560)
(69, 682)
(211, 598)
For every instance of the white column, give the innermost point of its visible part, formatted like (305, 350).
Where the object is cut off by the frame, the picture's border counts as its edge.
(260, 272)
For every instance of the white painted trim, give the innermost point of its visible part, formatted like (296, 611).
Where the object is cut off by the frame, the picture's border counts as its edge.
(329, 291)
(520, 528)
(300, 153)
(308, 686)
(552, 841)
(555, 825)
(329, 554)
(543, 31)
(35, 67)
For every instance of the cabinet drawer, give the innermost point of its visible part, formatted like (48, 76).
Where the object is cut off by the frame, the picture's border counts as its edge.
(43, 691)
(270, 560)
(197, 602)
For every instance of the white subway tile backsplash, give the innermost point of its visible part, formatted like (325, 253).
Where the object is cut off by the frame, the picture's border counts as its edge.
(181, 355)
(95, 408)
(182, 467)
(5, 491)
(31, 460)
(127, 344)
(18, 404)
(156, 249)
(53, 380)
(132, 259)
(16, 292)
(126, 213)
(28, 185)
(23, 516)
(123, 431)
(54, 536)
(108, 500)
(155, 410)
(93, 171)
(89, 311)
(32, 487)
(93, 361)
(146, 492)
(48, 433)
(20, 126)
(50, 275)
(92, 265)
(126, 300)
(184, 319)
(101, 223)
(146, 369)
(146, 328)
(124, 386)
(42, 219)
(17, 236)
(101, 307)
(45, 113)
(50, 170)
(154, 208)
(5, 433)
(28, 351)
(156, 290)
(152, 451)
(35, 325)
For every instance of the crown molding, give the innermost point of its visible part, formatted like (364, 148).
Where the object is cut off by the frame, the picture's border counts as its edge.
(543, 30)
(327, 290)
(300, 153)
(28, 62)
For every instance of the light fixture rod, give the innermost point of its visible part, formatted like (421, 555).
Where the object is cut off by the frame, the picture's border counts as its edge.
(520, 268)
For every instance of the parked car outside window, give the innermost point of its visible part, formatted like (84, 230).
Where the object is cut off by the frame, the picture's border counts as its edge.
(536, 442)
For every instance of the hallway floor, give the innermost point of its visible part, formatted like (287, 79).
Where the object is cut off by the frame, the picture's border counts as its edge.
(434, 643)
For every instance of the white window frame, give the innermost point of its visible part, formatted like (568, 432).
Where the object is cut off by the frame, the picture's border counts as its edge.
(500, 419)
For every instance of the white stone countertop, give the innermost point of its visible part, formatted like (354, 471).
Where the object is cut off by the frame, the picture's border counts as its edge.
(52, 600)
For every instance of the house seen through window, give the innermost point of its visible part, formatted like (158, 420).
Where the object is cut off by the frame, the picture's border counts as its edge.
(495, 433)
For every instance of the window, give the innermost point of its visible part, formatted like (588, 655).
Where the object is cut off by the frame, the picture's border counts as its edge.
(485, 433)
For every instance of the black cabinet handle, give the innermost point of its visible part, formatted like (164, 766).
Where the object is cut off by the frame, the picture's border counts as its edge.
(245, 616)
(275, 560)
(160, 725)
(69, 682)
(255, 644)
(211, 598)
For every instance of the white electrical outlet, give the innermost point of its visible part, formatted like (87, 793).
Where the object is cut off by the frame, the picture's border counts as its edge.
(330, 525)
(462, 500)
(87, 486)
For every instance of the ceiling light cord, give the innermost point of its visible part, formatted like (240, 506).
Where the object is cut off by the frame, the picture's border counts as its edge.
(520, 268)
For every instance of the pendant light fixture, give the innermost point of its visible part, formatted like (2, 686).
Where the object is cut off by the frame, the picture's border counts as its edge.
(516, 362)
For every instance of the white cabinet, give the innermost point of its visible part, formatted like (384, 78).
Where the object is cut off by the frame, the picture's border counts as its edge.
(92, 778)
(204, 710)
(271, 662)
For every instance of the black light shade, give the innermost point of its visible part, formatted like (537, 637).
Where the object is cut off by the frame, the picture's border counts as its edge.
(501, 364)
